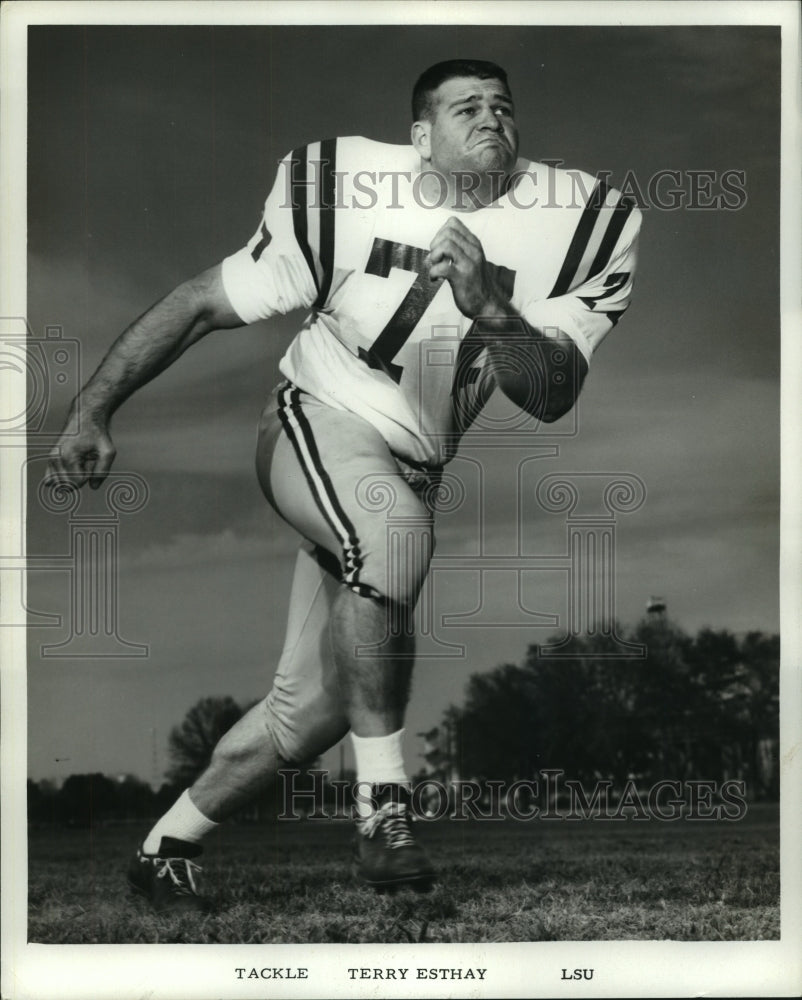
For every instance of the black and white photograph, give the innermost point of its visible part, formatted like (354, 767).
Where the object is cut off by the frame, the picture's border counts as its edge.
(400, 500)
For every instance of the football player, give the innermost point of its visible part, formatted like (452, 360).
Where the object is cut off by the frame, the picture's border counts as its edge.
(512, 272)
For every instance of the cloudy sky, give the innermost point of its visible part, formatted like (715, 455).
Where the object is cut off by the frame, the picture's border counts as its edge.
(150, 153)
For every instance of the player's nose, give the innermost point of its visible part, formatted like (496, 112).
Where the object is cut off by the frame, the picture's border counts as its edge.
(488, 119)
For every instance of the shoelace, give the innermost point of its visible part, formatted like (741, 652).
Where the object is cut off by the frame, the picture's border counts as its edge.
(184, 881)
(392, 818)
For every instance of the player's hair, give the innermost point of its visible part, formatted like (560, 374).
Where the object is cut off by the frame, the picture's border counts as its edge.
(430, 80)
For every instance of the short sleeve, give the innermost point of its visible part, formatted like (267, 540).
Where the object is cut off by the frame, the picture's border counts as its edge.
(276, 271)
(588, 311)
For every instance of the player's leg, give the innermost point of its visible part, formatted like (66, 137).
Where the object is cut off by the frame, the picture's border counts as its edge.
(375, 686)
(269, 736)
(370, 598)
(248, 756)
(244, 763)
(332, 476)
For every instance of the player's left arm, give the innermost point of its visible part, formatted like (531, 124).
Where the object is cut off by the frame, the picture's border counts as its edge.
(538, 365)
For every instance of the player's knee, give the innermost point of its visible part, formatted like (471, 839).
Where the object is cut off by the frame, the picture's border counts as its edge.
(302, 731)
(299, 746)
(230, 753)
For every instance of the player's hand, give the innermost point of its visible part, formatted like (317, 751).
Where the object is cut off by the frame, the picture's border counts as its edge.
(457, 256)
(84, 452)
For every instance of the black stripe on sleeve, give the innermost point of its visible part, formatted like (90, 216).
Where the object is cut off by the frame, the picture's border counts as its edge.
(298, 193)
(263, 243)
(506, 279)
(580, 240)
(614, 229)
(614, 315)
(328, 157)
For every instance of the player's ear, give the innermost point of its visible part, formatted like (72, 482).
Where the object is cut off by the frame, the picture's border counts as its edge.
(421, 139)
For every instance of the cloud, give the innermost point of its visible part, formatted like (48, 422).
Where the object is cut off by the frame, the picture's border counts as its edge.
(194, 551)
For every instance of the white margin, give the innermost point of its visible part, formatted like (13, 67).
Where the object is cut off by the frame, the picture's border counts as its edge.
(633, 969)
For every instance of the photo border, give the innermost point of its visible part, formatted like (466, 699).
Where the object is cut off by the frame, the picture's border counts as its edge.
(625, 969)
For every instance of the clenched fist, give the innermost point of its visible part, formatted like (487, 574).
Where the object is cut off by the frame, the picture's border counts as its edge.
(84, 452)
(457, 256)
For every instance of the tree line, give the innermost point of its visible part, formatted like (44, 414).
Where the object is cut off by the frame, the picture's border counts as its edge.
(85, 800)
(703, 706)
(694, 707)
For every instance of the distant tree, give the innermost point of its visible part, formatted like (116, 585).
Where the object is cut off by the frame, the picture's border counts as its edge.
(87, 799)
(703, 706)
(494, 728)
(585, 720)
(135, 799)
(757, 692)
(192, 742)
(42, 802)
(665, 700)
(715, 729)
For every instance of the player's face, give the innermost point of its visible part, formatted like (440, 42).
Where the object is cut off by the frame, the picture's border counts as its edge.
(473, 127)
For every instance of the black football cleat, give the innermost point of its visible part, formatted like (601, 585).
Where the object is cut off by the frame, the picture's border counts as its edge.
(386, 855)
(167, 879)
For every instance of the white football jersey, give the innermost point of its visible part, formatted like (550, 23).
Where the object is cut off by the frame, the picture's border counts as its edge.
(345, 234)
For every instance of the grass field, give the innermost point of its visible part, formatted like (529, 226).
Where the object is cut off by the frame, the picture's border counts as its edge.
(507, 881)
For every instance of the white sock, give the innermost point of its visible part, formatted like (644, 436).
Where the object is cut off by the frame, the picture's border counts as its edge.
(183, 821)
(379, 761)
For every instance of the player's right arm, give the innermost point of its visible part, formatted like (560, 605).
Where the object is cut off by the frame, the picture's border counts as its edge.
(151, 343)
(278, 270)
